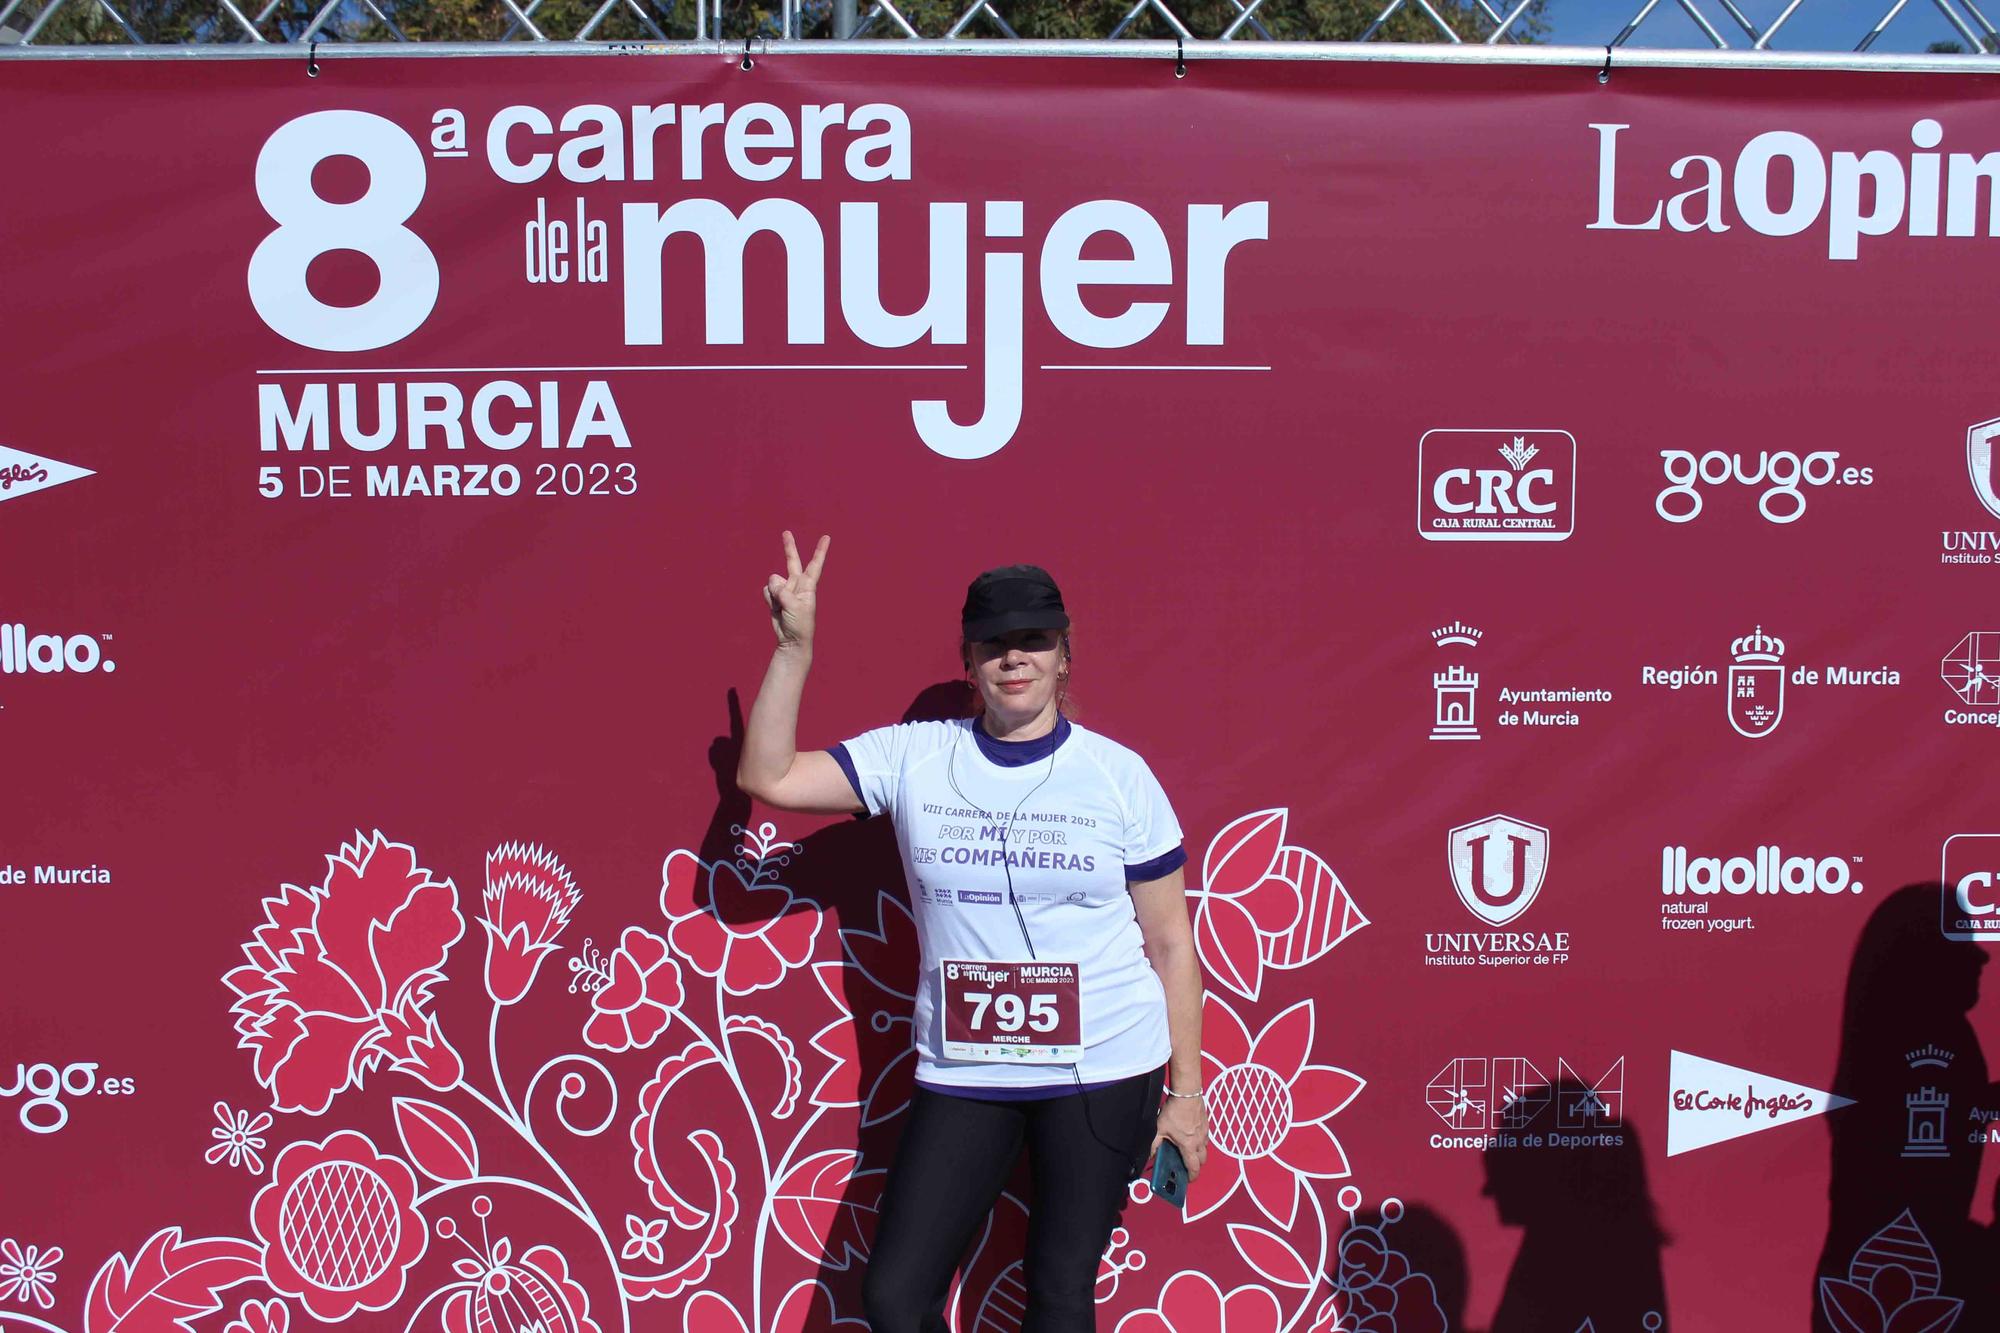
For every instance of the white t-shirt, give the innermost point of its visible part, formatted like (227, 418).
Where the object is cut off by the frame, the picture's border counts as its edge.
(1091, 818)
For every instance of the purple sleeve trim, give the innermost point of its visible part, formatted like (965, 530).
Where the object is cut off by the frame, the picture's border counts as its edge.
(841, 757)
(1165, 864)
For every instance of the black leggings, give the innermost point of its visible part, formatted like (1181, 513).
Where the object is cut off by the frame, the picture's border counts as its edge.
(955, 1157)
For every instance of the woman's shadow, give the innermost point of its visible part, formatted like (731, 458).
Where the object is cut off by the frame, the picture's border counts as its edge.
(1591, 1242)
(842, 871)
(1906, 1155)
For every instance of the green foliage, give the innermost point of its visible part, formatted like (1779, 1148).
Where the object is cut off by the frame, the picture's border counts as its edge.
(176, 21)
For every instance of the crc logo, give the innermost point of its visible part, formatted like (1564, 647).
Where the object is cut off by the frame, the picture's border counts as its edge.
(1496, 485)
(1497, 865)
(1971, 909)
(22, 653)
(46, 1086)
(1780, 474)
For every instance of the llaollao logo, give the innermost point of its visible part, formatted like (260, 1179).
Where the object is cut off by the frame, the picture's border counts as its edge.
(25, 653)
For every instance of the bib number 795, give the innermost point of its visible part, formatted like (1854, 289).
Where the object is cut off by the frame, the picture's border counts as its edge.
(1010, 1013)
(1029, 1012)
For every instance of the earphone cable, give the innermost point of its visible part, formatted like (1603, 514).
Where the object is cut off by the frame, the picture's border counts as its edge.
(1014, 901)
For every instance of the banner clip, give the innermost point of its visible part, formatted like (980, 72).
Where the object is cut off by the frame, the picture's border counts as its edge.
(1604, 75)
(312, 59)
(748, 63)
(1180, 58)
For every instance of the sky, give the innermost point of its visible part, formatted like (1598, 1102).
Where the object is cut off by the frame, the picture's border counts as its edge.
(1819, 25)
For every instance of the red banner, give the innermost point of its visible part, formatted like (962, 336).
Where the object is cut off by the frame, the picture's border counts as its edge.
(1529, 526)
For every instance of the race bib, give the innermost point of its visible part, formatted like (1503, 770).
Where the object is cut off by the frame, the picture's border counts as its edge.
(1028, 1012)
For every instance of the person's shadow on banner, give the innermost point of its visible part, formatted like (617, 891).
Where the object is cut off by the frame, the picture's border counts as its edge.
(1591, 1239)
(1906, 1154)
(852, 873)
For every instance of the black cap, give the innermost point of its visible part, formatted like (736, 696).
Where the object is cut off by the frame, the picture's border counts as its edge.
(1012, 597)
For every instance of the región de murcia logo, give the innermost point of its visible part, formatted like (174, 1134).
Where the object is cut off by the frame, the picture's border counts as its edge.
(1754, 701)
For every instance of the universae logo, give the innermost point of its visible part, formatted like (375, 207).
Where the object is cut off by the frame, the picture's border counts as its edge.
(1513, 485)
(1497, 865)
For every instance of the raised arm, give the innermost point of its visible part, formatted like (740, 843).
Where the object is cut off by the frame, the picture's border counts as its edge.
(771, 768)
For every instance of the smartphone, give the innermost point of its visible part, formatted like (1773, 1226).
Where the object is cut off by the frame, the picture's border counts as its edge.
(1170, 1177)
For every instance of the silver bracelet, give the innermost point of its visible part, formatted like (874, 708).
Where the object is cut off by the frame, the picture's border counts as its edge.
(1195, 1095)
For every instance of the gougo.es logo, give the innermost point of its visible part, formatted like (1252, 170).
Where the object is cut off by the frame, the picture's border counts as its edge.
(1782, 474)
(45, 1085)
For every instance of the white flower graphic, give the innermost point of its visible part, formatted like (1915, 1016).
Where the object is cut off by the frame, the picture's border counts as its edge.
(644, 1240)
(240, 1138)
(27, 1273)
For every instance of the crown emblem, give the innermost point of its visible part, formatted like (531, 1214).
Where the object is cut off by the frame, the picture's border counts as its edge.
(1456, 632)
(1518, 453)
(1757, 647)
(1931, 1056)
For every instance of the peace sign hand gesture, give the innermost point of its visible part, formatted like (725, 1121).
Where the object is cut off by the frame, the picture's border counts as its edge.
(793, 595)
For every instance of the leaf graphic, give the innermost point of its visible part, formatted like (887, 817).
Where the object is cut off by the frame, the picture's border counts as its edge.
(1225, 937)
(1926, 1314)
(1326, 914)
(791, 1072)
(1243, 853)
(825, 1209)
(1902, 1244)
(1849, 1307)
(169, 1284)
(437, 1141)
(1274, 1260)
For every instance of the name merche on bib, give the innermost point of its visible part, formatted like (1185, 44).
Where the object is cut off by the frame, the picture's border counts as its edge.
(1018, 857)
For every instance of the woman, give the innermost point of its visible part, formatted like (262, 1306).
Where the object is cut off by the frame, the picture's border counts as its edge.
(1058, 971)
